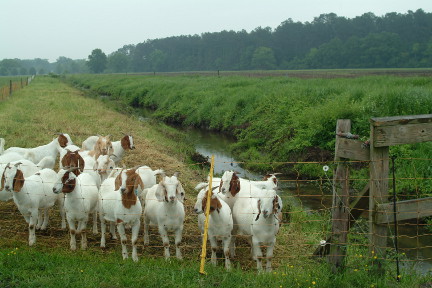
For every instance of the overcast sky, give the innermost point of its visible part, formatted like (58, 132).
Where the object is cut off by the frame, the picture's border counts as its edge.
(49, 29)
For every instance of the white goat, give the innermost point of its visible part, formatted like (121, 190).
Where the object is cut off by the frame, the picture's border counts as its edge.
(119, 147)
(81, 199)
(89, 143)
(231, 184)
(270, 181)
(31, 194)
(148, 176)
(104, 165)
(51, 149)
(118, 203)
(220, 223)
(27, 167)
(11, 156)
(164, 209)
(256, 217)
(83, 162)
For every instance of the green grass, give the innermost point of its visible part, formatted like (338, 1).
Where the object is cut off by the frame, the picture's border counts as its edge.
(21, 266)
(47, 106)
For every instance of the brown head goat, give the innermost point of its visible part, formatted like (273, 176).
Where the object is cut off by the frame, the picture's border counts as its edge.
(220, 223)
(119, 203)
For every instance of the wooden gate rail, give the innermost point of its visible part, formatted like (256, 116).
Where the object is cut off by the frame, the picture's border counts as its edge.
(384, 132)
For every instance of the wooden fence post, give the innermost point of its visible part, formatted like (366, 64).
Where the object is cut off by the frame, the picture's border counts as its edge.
(10, 87)
(340, 207)
(378, 189)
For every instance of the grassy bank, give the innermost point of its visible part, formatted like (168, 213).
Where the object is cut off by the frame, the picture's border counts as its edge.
(31, 116)
(279, 119)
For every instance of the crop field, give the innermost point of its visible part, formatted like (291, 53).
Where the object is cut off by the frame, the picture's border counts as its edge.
(48, 106)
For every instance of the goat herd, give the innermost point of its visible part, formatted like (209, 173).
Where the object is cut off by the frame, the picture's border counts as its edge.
(88, 182)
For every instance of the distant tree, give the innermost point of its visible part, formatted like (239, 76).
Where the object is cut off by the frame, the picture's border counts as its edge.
(4, 71)
(263, 58)
(118, 62)
(157, 59)
(97, 61)
(81, 66)
(65, 65)
(11, 65)
(126, 50)
(32, 71)
(22, 71)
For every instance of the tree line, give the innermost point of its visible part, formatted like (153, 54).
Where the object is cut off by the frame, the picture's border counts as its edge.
(394, 40)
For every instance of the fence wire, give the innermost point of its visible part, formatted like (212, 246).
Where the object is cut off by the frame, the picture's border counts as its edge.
(7, 90)
(305, 223)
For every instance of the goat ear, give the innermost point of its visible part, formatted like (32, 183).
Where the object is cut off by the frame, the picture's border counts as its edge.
(219, 204)
(259, 209)
(235, 186)
(180, 192)
(160, 192)
(81, 163)
(62, 140)
(124, 142)
(18, 181)
(279, 203)
(95, 165)
(65, 161)
(117, 182)
(2, 180)
(138, 182)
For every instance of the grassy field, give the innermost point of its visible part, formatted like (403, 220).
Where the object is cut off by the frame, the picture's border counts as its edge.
(30, 118)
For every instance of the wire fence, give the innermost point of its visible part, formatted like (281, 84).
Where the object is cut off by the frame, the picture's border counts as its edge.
(305, 224)
(7, 90)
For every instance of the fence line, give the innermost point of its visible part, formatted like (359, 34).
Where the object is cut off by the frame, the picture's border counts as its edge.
(12, 86)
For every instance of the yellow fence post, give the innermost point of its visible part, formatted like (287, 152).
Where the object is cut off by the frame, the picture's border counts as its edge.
(206, 223)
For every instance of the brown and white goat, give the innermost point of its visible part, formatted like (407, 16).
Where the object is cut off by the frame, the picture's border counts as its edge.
(30, 195)
(119, 204)
(220, 223)
(38, 153)
(81, 199)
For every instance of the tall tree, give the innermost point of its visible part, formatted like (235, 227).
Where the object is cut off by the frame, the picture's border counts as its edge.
(263, 58)
(118, 62)
(97, 61)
